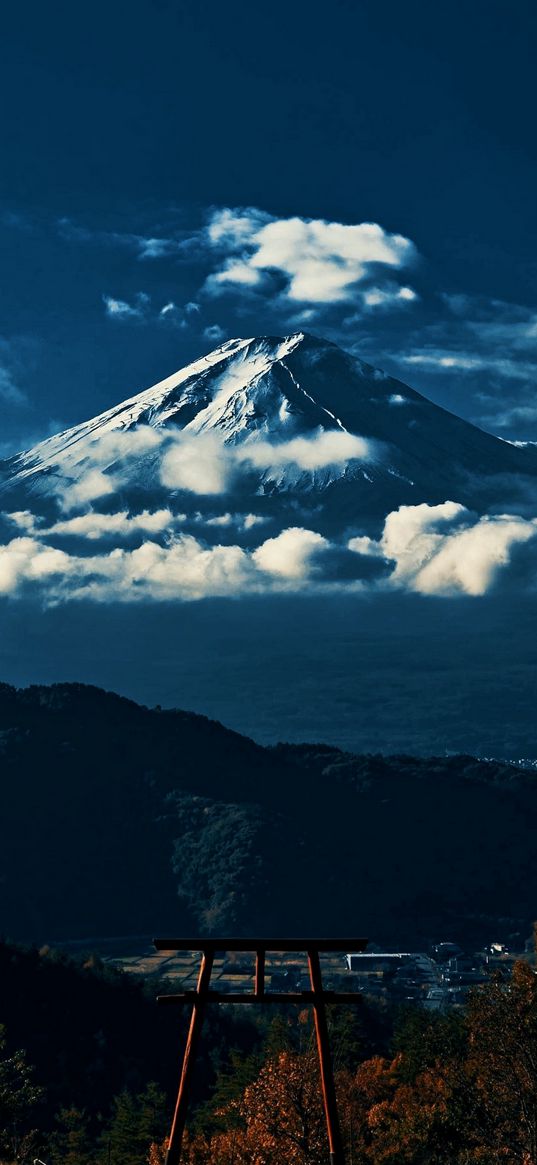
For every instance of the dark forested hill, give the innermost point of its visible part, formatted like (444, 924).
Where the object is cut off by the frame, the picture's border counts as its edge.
(117, 819)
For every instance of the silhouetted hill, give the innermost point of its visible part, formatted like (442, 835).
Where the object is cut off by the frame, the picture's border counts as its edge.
(117, 819)
(90, 1032)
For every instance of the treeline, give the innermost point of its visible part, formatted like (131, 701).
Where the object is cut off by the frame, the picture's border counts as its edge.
(89, 1068)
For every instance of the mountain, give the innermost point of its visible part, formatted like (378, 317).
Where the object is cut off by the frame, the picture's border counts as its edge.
(116, 819)
(294, 430)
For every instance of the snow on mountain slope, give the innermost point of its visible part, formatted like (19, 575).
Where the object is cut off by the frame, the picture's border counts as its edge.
(230, 390)
(239, 396)
(252, 394)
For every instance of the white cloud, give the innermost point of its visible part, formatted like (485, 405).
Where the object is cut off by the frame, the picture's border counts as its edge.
(442, 361)
(25, 559)
(173, 315)
(469, 561)
(334, 447)
(435, 550)
(290, 554)
(251, 520)
(119, 309)
(445, 361)
(388, 296)
(142, 311)
(200, 464)
(84, 481)
(183, 569)
(446, 550)
(90, 486)
(237, 272)
(94, 525)
(413, 533)
(24, 520)
(362, 544)
(154, 248)
(322, 262)
(240, 521)
(407, 293)
(203, 464)
(235, 228)
(217, 520)
(119, 443)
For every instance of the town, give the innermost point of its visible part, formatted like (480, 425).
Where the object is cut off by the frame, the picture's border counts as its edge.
(437, 978)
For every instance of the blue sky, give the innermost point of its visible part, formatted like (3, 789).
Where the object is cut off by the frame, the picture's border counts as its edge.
(174, 174)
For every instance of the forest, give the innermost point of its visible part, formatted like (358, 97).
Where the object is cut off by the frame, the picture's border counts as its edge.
(89, 1065)
(117, 819)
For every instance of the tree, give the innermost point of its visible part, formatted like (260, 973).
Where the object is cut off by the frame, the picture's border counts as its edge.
(277, 1121)
(18, 1097)
(71, 1144)
(283, 1111)
(137, 1123)
(419, 1121)
(502, 1027)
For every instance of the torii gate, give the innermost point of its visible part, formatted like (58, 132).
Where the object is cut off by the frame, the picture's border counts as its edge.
(203, 994)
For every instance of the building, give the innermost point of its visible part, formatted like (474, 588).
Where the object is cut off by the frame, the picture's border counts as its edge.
(391, 962)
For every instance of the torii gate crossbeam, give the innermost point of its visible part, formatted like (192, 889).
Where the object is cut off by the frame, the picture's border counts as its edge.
(203, 995)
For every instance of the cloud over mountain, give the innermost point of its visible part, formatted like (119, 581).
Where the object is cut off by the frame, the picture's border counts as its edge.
(271, 465)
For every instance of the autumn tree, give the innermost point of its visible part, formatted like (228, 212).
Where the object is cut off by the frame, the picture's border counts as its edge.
(424, 1120)
(278, 1120)
(502, 1026)
(283, 1113)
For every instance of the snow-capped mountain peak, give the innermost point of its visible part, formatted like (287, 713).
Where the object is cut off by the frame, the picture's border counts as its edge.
(295, 417)
(211, 392)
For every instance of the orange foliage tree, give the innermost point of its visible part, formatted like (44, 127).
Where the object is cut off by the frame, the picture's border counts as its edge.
(502, 1026)
(461, 1091)
(281, 1119)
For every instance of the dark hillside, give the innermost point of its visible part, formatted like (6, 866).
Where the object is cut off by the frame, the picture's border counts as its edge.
(90, 1032)
(117, 819)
